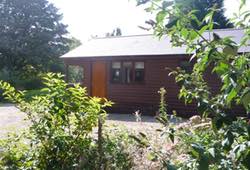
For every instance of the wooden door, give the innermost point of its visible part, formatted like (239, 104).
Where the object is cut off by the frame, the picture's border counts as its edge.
(99, 79)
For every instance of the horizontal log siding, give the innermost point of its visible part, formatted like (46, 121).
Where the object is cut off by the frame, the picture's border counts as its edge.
(131, 97)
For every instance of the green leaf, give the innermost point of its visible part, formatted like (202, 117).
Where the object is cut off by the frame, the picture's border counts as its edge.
(203, 29)
(216, 37)
(228, 141)
(142, 135)
(242, 3)
(217, 123)
(184, 32)
(171, 134)
(152, 157)
(246, 98)
(211, 151)
(203, 163)
(221, 68)
(197, 149)
(161, 16)
(229, 50)
(193, 35)
(231, 95)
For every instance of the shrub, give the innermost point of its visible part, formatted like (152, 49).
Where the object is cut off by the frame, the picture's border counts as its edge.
(225, 144)
(60, 135)
(116, 151)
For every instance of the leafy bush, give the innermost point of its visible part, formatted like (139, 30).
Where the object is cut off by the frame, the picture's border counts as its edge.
(116, 152)
(207, 149)
(29, 94)
(60, 135)
(225, 143)
(116, 146)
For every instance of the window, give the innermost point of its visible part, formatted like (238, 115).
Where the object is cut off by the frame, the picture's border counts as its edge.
(75, 74)
(139, 71)
(116, 72)
(127, 72)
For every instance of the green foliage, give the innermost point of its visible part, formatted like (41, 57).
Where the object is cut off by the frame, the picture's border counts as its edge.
(31, 34)
(28, 81)
(17, 154)
(29, 94)
(14, 153)
(167, 12)
(225, 144)
(216, 150)
(116, 149)
(73, 43)
(62, 119)
(163, 105)
(32, 39)
(202, 8)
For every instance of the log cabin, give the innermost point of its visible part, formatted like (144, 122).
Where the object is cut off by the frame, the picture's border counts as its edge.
(130, 70)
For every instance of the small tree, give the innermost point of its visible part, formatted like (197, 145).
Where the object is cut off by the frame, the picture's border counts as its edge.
(230, 137)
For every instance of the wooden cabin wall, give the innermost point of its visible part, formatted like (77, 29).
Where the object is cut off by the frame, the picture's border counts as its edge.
(144, 97)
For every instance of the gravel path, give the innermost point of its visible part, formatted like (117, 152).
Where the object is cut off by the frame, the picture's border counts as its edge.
(12, 120)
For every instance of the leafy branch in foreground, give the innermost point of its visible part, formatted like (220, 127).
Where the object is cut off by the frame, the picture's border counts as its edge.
(220, 56)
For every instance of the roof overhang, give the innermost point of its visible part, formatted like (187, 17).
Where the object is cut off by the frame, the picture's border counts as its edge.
(142, 45)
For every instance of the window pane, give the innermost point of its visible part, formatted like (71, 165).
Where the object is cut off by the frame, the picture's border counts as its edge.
(76, 74)
(139, 71)
(116, 65)
(139, 75)
(116, 75)
(139, 65)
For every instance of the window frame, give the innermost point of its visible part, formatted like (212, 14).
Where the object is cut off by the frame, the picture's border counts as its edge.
(122, 80)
